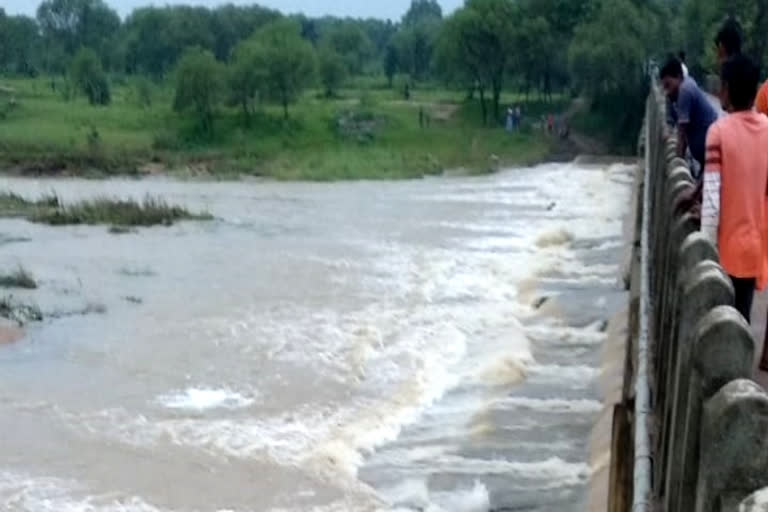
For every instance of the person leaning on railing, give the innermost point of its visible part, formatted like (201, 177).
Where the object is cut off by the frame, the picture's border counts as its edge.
(693, 112)
(733, 210)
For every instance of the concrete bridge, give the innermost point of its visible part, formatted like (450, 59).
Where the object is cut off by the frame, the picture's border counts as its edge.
(690, 423)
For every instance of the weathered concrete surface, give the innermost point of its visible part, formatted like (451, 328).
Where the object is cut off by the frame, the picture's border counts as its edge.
(613, 365)
(734, 448)
(724, 350)
(757, 502)
(759, 315)
(611, 383)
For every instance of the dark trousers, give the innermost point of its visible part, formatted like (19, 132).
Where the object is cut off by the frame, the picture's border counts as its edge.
(744, 289)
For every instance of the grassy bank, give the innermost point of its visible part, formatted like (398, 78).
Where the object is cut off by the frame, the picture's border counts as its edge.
(117, 212)
(371, 133)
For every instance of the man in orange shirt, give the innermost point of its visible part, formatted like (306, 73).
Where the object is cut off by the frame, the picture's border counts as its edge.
(762, 99)
(733, 212)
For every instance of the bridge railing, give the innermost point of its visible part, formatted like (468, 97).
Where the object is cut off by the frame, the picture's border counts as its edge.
(699, 426)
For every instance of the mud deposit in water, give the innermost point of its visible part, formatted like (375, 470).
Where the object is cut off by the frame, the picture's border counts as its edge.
(318, 347)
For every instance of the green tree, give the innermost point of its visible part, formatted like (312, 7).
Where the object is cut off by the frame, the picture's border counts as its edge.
(390, 63)
(421, 11)
(198, 86)
(455, 59)
(20, 45)
(476, 45)
(288, 60)
(332, 70)
(88, 76)
(246, 76)
(608, 58)
(415, 46)
(350, 41)
(231, 24)
(68, 25)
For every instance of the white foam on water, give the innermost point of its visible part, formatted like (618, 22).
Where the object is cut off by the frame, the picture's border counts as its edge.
(497, 243)
(330, 441)
(202, 399)
(556, 237)
(510, 228)
(24, 493)
(413, 494)
(590, 335)
(437, 318)
(548, 405)
(552, 471)
(573, 375)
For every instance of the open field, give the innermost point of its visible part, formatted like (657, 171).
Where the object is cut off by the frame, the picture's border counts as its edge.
(363, 134)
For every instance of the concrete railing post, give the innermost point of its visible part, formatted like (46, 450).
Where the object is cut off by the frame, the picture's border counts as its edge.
(723, 352)
(734, 447)
(706, 287)
(757, 502)
(695, 249)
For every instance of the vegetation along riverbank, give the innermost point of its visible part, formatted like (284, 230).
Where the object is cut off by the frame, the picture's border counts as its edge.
(238, 90)
(360, 133)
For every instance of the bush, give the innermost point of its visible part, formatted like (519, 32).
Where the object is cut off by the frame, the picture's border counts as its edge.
(144, 92)
(19, 278)
(166, 141)
(198, 86)
(13, 205)
(333, 71)
(117, 212)
(88, 76)
(18, 312)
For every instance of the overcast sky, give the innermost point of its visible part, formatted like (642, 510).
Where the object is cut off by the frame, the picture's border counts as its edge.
(392, 9)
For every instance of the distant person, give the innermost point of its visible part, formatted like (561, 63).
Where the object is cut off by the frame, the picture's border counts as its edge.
(693, 112)
(728, 40)
(510, 120)
(681, 57)
(518, 117)
(550, 123)
(733, 212)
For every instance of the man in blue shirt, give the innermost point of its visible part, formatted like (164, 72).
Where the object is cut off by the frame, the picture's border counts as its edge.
(694, 112)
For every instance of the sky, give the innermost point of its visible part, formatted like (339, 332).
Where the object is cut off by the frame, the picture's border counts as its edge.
(392, 9)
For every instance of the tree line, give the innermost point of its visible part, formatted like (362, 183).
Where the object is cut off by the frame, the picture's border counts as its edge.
(246, 55)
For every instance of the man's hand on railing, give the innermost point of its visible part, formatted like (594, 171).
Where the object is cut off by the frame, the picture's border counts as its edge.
(690, 201)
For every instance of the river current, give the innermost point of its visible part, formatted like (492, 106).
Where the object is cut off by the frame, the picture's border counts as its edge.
(425, 345)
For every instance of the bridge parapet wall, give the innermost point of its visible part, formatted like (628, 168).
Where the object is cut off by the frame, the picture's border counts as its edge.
(695, 427)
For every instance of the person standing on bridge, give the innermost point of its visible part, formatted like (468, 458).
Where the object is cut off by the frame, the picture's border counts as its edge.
(728, 41)
(693, 112)
(733, 214)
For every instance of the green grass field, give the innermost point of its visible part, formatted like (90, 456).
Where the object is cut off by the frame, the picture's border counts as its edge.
(41, 132)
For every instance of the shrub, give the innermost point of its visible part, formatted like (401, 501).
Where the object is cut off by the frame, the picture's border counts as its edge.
(19, 278)
(117, 212)
(89, 77)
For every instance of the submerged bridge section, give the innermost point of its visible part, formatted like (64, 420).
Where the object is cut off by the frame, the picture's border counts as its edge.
(691, 430)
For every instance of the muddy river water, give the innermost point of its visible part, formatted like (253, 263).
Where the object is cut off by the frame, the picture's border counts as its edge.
(316, 347)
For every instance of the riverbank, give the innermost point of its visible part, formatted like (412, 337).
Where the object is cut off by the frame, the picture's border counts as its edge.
(362, 134)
